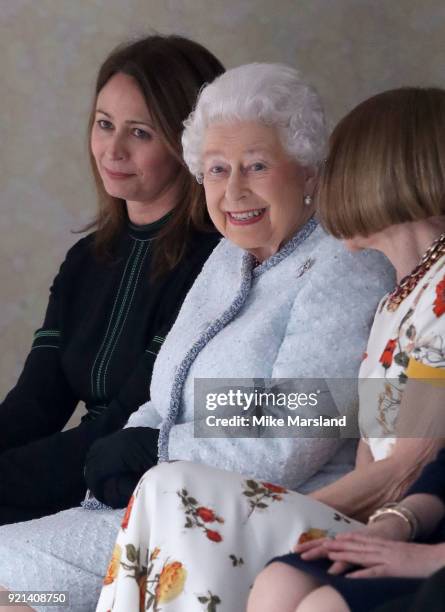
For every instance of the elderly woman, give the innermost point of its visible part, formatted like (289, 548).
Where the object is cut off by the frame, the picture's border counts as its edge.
(384, 188)
(277, 299)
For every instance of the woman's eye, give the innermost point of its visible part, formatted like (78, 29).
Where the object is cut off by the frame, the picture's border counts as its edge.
(257, 166)
(216, 170)
(139, 133)
(104, 124)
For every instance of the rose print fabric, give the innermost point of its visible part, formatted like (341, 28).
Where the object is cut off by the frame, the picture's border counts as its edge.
(405, 342)
(194, 537)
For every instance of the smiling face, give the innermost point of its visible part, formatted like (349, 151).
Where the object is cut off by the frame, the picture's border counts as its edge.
(131, 157)
(254, 190)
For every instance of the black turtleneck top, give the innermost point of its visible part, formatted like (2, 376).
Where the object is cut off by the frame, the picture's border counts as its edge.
(104, 325)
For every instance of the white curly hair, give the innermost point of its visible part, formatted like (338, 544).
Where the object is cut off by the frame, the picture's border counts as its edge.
(274, 94)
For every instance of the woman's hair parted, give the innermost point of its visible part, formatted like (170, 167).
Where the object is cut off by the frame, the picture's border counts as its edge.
(170, 71)
(386, 163)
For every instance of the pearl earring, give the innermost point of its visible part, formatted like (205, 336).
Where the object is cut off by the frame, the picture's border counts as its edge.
(307, 200)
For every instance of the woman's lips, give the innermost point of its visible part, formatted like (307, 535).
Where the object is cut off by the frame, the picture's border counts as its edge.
(117, 175)
(246, 217)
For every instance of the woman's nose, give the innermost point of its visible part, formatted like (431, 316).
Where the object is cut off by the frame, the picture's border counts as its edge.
(116, 148)
(236, 188)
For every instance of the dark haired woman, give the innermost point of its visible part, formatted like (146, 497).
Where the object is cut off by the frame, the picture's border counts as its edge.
(120, 288)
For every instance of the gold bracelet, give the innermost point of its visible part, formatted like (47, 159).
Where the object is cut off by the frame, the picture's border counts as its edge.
(402, 512)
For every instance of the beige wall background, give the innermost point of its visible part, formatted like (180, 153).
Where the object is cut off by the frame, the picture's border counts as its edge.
(50, 51)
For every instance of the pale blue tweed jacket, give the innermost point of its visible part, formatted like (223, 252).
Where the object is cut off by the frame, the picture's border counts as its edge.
(304, 313)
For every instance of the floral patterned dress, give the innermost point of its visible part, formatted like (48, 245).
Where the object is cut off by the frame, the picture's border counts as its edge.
(406, 341)
(194, 537)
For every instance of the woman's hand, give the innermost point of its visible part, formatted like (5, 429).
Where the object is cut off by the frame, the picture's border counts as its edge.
(115, 464)
(389, 528)
(380, 557)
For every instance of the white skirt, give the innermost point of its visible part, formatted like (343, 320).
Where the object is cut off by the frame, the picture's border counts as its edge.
(194, 538)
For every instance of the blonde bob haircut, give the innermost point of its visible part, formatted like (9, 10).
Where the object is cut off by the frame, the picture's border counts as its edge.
(386, 163)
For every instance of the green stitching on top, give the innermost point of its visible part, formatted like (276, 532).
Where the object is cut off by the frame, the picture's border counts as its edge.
(46, 332)
(111, 316)
(128, 306)
(44, 346)
(119, 315)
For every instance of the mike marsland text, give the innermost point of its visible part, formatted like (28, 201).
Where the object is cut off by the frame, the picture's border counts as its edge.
(270, 421)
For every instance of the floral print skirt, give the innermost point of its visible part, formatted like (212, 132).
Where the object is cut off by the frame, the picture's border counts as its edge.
(194, 538)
